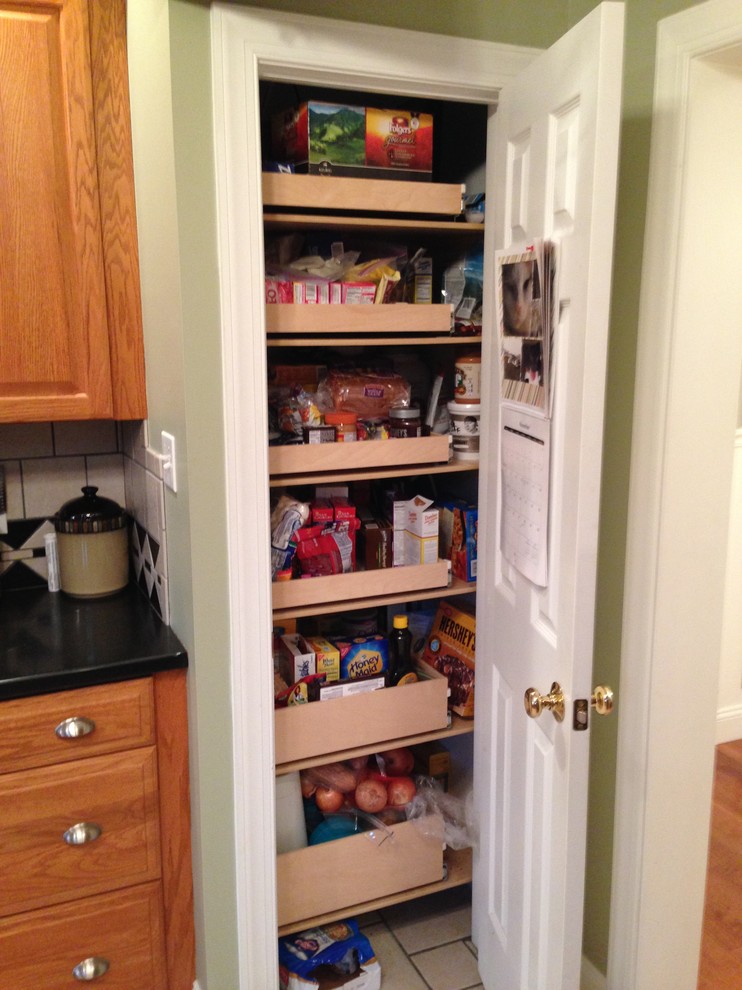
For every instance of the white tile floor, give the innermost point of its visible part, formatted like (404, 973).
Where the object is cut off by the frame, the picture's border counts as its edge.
(425, 944)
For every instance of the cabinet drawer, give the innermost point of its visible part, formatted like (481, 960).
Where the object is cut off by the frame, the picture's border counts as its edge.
(116, 793)
(119, 716)
(324, 727)
(346, 872)
(40, 949)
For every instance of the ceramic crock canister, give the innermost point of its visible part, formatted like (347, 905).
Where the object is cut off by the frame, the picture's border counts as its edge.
(93, 545)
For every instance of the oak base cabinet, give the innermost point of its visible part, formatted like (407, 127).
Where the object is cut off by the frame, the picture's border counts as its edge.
(119, 935)
(95, 838)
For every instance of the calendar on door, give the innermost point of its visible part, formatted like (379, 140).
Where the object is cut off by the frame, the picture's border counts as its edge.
(525, 447)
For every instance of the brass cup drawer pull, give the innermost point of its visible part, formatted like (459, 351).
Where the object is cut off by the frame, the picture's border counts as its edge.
(90, 969)
(73, 728)
(82, 833)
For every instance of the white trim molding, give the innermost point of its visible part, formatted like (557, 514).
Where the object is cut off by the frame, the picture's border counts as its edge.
(250, 45)
(681, 469)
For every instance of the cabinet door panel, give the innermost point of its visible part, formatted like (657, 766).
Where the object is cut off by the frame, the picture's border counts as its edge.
(116, 793)
(41, 948)
(54, 359)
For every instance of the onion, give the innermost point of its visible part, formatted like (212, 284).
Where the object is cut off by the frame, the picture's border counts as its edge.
(401, 790)
(398, 762)
(308, 786)
(328, 800)
(371, 795)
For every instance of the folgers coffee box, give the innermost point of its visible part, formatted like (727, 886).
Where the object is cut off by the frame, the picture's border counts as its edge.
(339, 139)
(398, 139)
(450, 650)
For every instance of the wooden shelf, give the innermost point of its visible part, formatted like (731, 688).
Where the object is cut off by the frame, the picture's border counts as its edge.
(324, 192)
(459, 867)
(326, 591)
(457, 587)
(436, 340)
(459, 727)
(396, 471)
(372, 225)
(391, 319)
(303, 458)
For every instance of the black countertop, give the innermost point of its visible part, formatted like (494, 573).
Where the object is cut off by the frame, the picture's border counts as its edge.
(50, 642)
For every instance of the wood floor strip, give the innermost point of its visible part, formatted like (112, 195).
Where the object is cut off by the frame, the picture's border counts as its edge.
(721, 945)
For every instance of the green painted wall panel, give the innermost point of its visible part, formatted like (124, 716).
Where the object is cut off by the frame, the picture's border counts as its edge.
(505, 21)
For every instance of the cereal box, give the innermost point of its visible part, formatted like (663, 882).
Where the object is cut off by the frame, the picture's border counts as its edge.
(326, 657)
(458, 526)
(450, 650)
(295, 658)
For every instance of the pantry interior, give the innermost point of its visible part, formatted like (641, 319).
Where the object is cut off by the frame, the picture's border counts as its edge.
(389, 217)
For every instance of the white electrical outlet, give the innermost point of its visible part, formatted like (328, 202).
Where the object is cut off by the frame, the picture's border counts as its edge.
(169, 475)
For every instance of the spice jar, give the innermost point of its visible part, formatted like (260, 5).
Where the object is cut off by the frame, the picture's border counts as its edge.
(344, 422)
(404, 421)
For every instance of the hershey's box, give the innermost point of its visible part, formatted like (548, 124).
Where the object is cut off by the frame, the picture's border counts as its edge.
(450, 650)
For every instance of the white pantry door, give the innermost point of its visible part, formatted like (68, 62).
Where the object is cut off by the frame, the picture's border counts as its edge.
(554, 158)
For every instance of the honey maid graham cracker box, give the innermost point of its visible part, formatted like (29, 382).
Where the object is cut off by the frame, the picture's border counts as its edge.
(450, 650)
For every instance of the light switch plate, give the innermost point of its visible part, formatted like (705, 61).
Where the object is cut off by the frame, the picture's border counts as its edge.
(169, 474)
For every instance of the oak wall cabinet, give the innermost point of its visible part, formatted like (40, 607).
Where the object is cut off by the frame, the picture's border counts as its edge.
(70, 308)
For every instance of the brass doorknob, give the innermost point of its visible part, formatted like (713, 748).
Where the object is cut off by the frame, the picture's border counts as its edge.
(602, 700)
(535, 703)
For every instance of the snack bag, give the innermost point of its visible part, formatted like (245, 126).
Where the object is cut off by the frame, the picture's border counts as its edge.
(337, 951)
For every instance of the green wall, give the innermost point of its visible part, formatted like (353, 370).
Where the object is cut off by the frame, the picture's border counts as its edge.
(171, 129)
(185, 389)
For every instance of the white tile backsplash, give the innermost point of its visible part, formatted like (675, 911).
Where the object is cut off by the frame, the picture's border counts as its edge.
(14, 489)
(48, 482)
(47, 464)
(106, 472)
(135, 479)
(155, 501)
(93, 437)
(19, 440)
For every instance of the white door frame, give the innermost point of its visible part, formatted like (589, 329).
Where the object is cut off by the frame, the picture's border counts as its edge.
(248, 45)
(684, 421)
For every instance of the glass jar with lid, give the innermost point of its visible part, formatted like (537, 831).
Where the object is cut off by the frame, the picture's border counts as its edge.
(404, 421)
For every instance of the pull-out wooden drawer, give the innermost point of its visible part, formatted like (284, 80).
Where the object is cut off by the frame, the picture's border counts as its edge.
(122, 931)
(328, 727)
(115, 794)
(54, 728)
(341, 874)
